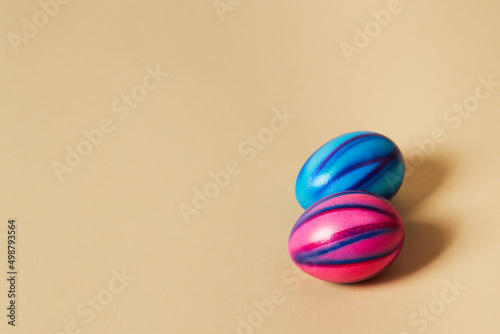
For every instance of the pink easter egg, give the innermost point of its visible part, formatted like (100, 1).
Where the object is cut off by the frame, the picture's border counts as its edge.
(347, 237)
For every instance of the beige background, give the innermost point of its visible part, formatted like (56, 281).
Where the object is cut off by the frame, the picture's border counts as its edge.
(119, 208)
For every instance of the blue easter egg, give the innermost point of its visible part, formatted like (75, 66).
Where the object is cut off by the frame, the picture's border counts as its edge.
(360, 160)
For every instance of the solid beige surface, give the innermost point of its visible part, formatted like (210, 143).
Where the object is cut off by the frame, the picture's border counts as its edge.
(111, 242)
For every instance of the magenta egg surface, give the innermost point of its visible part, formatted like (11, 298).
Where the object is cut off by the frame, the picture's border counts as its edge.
(347, 237)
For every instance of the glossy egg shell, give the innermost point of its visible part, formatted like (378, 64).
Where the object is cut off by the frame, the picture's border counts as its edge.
(363, 160)
(347, 237)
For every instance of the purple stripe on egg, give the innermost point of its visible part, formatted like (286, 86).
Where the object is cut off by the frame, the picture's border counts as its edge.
(369, 176)
(348, 233)
(327, 198)
(353, 168)
(353, 262)
(328, 210)
(341, 146)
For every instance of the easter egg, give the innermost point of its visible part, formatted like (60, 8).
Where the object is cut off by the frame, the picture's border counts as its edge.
(347, 237)
(365, 161)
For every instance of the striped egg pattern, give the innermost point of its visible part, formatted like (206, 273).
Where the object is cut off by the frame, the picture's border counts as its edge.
(362, 160)
(347, 237)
